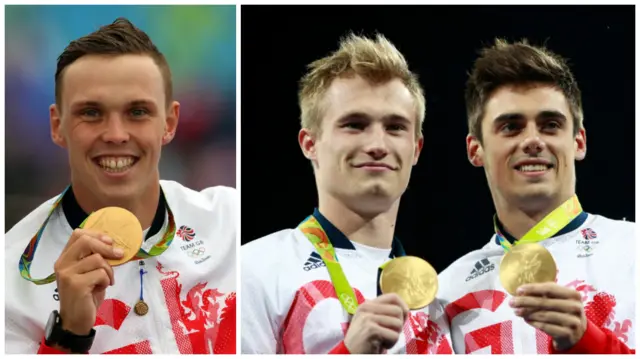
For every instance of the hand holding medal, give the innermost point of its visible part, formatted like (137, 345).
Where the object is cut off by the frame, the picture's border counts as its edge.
(109, 237)
(406, 283)
(528, 272)
(83, 271)
(376, 325)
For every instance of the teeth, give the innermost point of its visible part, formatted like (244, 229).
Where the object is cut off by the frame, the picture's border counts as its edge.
(116, 164)
(533, 168)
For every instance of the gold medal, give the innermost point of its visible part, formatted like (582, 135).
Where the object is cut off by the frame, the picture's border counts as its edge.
(122, 226)
(524, 264)
(412, 278)
(141, 308)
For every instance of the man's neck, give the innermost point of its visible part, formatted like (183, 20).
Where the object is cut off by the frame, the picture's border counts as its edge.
(371, 230)
(144, 206)
(518, 219)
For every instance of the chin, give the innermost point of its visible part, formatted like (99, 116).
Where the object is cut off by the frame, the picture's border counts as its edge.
(117, 192)
(536, 197)
(376, 190)
(376, 199)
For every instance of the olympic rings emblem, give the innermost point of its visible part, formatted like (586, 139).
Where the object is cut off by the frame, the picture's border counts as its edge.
(197, 252)
(348, 302)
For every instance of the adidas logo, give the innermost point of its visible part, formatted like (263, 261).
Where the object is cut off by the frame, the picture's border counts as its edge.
(481, 267)
(314, 261)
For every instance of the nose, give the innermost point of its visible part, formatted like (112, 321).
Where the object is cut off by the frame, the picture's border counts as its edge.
(115, 130)
(533, 144)
(377, 143)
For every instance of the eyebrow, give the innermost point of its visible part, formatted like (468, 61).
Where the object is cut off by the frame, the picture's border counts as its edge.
(85, 104)
(546, 114)
(138, 102)
(141, 103)
(361, 115)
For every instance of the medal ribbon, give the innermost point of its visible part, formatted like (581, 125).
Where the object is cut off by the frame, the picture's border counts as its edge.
(318, 237)
(548, 227)
(312, 229)
(24, 265)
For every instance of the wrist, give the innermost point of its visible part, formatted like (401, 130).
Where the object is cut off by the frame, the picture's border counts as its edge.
(77, 331)
(593, 341)
(60, 336)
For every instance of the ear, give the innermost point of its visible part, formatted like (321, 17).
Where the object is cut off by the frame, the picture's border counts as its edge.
(475, 153)
(55, 121)
(581, 144)
(418, 150)
(171, 122)
(307, 142)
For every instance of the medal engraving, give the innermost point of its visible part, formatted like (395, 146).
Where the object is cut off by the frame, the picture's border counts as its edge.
(526, 263)
(120, 225)
(412, 278)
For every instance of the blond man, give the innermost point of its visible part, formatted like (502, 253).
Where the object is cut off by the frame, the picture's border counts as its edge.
(361, 116)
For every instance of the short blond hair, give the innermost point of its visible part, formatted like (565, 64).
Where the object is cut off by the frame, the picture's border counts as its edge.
(377, 61)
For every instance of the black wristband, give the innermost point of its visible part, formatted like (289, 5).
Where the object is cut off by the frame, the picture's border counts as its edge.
(56, 335)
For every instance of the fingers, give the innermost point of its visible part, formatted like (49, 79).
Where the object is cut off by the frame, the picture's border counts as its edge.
(81, 284)
(393, 299)
(85, 252)
(525, 305)
(86, 245)
(391, 323)
(387, 337)
(382, 309)
(77, 233)
(380, 331)
(96, 278)
(549, 290)
(93, 262)
(553, 330)
(376, 325)
(561, 319)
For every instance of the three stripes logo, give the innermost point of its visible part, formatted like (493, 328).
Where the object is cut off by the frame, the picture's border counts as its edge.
(482, 266)
(314, 261)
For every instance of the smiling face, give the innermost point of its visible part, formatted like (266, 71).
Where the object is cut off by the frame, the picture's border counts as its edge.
(113, 119)
(529, 146)
(366, 145)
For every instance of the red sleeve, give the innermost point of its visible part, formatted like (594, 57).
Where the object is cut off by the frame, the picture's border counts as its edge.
(340, 349)
(596, 340)
(44, 349)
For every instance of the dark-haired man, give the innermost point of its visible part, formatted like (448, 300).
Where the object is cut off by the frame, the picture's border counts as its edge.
(113, 112)
(526, 130)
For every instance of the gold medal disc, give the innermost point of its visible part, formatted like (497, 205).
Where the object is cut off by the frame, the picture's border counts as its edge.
(412, 278)
(122, 226)
(526, 263)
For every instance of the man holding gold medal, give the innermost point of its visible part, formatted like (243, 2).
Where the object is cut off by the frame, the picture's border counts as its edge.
(340, 282)
(99, 268)
(553, 279)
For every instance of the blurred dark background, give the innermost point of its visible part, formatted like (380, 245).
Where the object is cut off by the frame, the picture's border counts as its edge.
(447, 210)
(199, 43)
